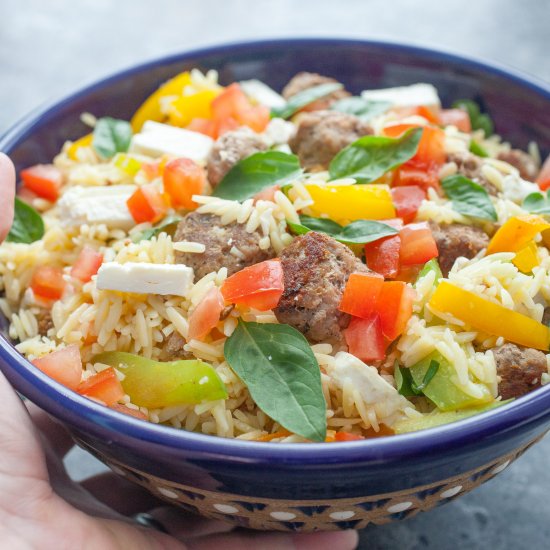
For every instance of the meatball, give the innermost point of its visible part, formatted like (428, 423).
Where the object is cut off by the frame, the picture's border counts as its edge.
(230, 149)
(44, 320)
(303, 81)
(316, 269)
(322, 134)
(455, 241)
(520, 369)
(469, 165)
(228, 245)
(527, 166)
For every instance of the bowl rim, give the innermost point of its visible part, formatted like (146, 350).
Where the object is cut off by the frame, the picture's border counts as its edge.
(93, 418)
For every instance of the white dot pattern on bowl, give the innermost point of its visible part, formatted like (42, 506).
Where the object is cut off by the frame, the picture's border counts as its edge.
(167, 492)
(451, 492)
(399, 507)
(226, 508)
(283, 516)
(501, 467)
(343, 515)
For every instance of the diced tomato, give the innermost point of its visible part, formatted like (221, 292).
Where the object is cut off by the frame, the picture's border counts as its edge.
(409, 175)
(543, 179)
(225, 125)
(26, 195)
(259, 286)
(43, 179)
(182, 179)
(408, 273)
(361, 294)
(457, 117)
(87, 264)
(346, 436)
(431, 114)
(63, 365)
(407, 201)
(104, 386)
(47, 282)
(382, 256)
(151, 169)
(126, 410)
(395, 308)
(417, 244)
(256, 117)
(147, 204)
(268, 194)
(206, 315)
(204, 126)
(365, 339)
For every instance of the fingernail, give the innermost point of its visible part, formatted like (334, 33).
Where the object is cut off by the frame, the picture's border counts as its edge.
(342, 540)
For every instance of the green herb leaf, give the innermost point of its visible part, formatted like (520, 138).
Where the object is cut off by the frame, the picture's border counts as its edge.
(370, 157)
(357, 232)
(168, 225)
(477, 149)
(27, 226)
(257, 172)
(305, 97)
(282, 375)
(469, 198)
(537, 203)
(478, 120)
(363, 108)
(111, 136)
(403, 381)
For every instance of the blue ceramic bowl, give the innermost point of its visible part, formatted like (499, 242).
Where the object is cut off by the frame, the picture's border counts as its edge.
(294, 487)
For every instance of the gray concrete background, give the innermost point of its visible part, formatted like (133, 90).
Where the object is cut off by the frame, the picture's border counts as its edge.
(50, 48)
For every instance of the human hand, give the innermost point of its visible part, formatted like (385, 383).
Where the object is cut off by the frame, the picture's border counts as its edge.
(7, 192)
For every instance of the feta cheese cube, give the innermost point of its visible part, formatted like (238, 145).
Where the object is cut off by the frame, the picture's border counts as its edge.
(156, 139)
(145, 278)
(262, 93)
(406, 96)
(95, 205)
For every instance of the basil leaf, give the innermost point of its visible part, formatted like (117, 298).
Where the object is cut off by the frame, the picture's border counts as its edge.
(27, 226)
(469, 198)
(370, 157)
(537, 203)
(363, 108)
(477, 149)
(168, 225)
(305, 97)
(430, 373)
(357, 232)
(257, 172)
(111, 136)
(282, 375)
(403, 381)
(478, 120)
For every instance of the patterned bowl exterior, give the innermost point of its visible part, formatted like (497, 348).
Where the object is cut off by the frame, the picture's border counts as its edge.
(277, 486)
(305, 515)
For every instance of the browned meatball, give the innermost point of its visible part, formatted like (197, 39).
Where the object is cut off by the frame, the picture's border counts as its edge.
(322, 134)
(469, 165)
(316, 269)
(302, 81)
(230, 149)
(455, 241)
(219, 240)
(45, 322)
(526, 164)
(520, 369)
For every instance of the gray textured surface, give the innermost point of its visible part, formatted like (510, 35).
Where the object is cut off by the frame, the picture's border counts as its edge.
(49, 48)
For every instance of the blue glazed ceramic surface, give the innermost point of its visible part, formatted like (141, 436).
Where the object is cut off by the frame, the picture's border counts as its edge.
(376, 478)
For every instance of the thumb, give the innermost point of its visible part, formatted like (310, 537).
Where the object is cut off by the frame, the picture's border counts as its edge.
(7, 193)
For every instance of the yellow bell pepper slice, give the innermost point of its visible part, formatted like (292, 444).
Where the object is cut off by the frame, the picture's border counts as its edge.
(151, 107)
(352, 202)
(489, 317)
(84, 141)
(516, 233)
(127, 164)
(187, 107)
(527, 258)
